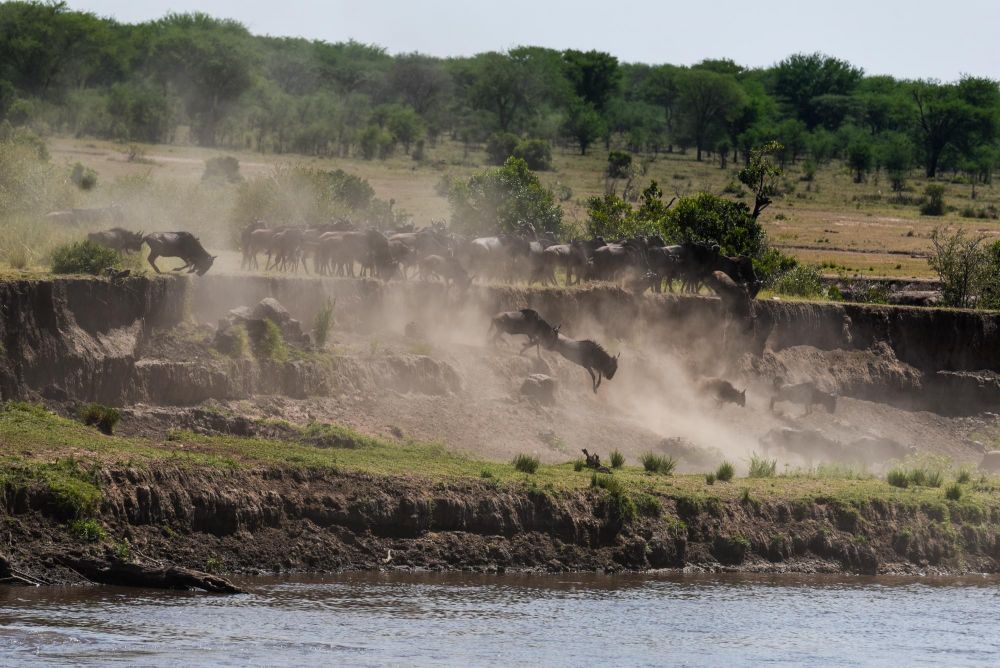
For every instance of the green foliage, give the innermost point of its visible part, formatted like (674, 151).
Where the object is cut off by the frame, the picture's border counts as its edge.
(648, 505)
(222, 169)
(83, 177)
(612, 217)
(102, 417)
(619, 165)
(761, 467)
(502, 199)
(500, 146)
(933, 200)
(953, 492)
(123, 550)
(709, 478)
(526, 463)
(486, 474)
(898, 477)
(654, 463)
(622, 508)
(271, 346)
(84, 257)
(536, 153)
(89, 531)
(617, 459)
(799, 281)
(860, 157)
(725, 472)
(708, 218)
(578, 465)
(322, 324)
(961, 265)
(583, 125)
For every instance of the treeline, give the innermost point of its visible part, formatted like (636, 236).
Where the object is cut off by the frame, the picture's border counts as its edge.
(69, 71)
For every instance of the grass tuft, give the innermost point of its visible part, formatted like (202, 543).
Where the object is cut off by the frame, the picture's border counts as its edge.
(725, 472)
(617, 459)
(322, 324)
(953, 492)
(526, 463)
(761, 467)
(102, 417)
(709, 478)
(88, 531)
(654, 463)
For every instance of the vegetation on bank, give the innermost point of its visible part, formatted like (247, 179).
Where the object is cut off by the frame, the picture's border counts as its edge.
(41, 449)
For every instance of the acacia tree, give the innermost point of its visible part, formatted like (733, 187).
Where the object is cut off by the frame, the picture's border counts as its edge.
(954, 116)
(761, 176)
(584, 125)
(707, 100)
(804, 82)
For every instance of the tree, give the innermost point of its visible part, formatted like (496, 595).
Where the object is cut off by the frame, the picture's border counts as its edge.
(761, 176)
(954, 116)
(405, 125)
(895, 154)
(502, 200)
(612, 217)
(584, 125)
(801, 80)
(959, 262)
(711, 219)
(420, 81)
(594, 75)
(860, 157)
(661, 88)
(504, 86)
(707, 100)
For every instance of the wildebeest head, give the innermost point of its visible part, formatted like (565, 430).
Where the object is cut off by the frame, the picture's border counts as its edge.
(611, 367)
(204, 264)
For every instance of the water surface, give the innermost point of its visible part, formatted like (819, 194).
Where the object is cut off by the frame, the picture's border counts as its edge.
(571, 620)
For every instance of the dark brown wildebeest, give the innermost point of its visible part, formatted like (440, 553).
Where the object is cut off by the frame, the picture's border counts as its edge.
(806, 394)
(118, 239)
(593, 461)
(179, 244)
(735, 296)
(588, 354)
(448, 269)
(247, 243)
(526, 322)
(722, 391)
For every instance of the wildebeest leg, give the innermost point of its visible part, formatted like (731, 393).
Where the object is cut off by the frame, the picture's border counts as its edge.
(600, 377)
(593, 378)
(152, 261)
(186, 265)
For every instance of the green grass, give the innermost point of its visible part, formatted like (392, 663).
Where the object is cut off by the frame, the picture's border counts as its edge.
(88, 531)
(526, 463)
(761, 467)
(272, 345)
(725, 472)
(953, 492)
(654, 463)
(617, 459)
(102, 417)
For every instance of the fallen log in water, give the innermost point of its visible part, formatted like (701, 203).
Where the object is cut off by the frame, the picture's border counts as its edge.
(157, 577)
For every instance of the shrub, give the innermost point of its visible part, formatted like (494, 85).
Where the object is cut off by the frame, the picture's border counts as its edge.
(648, 505)
(654, 463)
(102, 417)
(84, 177)
(123, 550)
(619, 165)
(322, 324)
(84, 257)
(578, 465)
(898, 478)
(725, 472)
(934, 203)
(271, 346)
(486, 474)
(536, 152)
(761, 467)
(222, 169)
(88, 531)
(799, 281)
(500, 146)
(964, 476)
(953, 492)
(526, 463)
(709, 478)
(617, 459)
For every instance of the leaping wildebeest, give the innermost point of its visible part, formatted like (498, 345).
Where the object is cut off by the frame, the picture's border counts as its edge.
(588, 354)
(179, 244)
(526, 322)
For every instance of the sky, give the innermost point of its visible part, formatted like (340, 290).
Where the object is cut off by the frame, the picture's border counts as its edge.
(908, 39)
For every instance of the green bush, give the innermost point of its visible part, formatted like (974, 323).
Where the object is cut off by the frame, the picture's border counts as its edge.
(579, 465)
(622, 508)
(617, 459)
(322, 324)
(500, 146)
(898, 478)
(619, 165)
(84, 177)
(271, 346)
(709, 478)
(536, 152)
(84, 257)
(934, 200)
(964, 476)
(725, 472)
(526, 463)
(799, 281)
(953, 492)
(88, 531)
(654, 463)
(761, 467)
(102, 417)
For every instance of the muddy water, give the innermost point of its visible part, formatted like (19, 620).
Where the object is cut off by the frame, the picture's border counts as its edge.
(513, 620)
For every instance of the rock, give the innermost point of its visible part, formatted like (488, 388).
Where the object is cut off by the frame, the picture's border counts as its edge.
(539, 389)
(271, 308)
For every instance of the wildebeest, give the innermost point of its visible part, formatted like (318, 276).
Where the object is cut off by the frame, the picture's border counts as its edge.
(735, 296)
(588, 354)
(179, 244)
(448, 269)
(806, 394)
(526, 322)
(118, 239)
(722, 391)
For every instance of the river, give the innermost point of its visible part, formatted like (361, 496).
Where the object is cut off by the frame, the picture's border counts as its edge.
(568, 620)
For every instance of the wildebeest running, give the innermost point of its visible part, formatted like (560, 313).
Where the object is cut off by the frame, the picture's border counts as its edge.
(117, 238)
(179, 244)
(806, 394)
(722, 391)
(588, 354)
(526, 322)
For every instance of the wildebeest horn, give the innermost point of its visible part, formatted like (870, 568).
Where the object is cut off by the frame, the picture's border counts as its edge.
(617, 356)
(214, 256)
